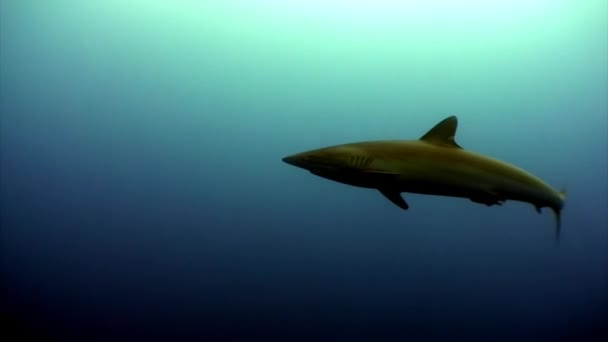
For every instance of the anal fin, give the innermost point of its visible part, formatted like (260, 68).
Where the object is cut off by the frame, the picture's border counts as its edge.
(395, 197)
(488, 198)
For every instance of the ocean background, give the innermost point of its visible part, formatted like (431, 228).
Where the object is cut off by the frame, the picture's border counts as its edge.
(143, 196)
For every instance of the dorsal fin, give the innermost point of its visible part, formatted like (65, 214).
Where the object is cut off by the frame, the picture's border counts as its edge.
(443, 133)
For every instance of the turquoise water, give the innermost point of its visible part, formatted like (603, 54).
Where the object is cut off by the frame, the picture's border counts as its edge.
(143, 194)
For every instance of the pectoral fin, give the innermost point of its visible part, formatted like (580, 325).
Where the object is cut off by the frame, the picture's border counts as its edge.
(395, 197)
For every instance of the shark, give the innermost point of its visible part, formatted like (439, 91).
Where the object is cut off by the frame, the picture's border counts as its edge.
(434, 164)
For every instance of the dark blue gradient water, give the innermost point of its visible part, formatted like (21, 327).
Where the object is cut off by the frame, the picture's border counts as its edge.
(143, 195)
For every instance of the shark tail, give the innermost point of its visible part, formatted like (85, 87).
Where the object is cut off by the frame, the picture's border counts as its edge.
(557, 210)
(558, 223)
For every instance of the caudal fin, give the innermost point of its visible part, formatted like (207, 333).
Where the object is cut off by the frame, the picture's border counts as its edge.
(558, 224)
(558, 216)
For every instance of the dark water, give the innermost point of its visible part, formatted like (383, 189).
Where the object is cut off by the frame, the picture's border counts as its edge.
(143, 195)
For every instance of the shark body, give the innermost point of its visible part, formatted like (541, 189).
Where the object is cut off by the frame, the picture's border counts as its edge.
(434, 165)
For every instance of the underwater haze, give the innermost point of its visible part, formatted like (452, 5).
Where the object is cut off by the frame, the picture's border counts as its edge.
(143, 196)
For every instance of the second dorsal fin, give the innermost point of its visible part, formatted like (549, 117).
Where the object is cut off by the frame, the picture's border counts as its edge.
(443, 133)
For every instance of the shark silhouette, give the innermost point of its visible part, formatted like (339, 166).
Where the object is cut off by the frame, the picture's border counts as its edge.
(434, 165)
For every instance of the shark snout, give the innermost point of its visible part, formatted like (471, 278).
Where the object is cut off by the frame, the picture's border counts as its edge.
(294, 160)
(314, 160)
(304, 160)
(288, 159)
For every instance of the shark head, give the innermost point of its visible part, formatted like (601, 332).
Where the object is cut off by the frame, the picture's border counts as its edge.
(364, 164)
(344, 163)
(329, 158)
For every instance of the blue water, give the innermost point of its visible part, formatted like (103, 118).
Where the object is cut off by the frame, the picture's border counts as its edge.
(143, 195)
